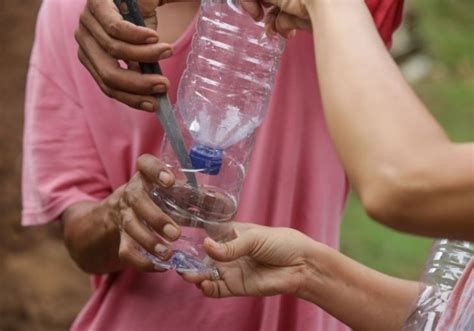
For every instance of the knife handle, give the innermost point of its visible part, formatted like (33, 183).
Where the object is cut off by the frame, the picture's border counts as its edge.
(131, 12)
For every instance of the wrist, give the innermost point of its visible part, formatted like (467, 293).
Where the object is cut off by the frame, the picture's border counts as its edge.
(316, 8)
(91, 237)
(316, 273)
(310, 5)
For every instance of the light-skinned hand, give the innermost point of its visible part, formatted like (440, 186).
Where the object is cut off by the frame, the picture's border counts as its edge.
(261, 261)
(284, 16)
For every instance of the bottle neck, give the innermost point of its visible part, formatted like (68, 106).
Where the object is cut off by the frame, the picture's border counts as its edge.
(206, 159)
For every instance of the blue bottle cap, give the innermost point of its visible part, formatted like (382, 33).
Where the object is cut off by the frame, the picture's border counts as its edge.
(207, 158)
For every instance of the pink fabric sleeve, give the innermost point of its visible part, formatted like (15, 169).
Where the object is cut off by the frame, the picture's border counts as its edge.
(60, 163)
(387, 16)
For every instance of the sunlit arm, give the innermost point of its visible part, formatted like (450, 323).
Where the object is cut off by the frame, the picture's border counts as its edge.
(399, 160)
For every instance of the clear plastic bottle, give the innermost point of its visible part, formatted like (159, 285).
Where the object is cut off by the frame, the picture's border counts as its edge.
(224, 91)
(222, 99)
(444, 267)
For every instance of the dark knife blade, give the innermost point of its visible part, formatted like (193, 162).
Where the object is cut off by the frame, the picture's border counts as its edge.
(130, 12)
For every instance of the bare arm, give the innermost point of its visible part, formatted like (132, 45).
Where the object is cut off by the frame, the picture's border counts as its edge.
(91, 237)
(267, 261)
(403, 166)
(105, 237)
(359, 296)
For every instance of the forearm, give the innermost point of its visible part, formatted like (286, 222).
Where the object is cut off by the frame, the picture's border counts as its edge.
(91, 237)
(390, 145)
(362, 298)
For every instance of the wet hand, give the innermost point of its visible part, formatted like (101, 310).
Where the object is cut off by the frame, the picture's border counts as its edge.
(142, 224)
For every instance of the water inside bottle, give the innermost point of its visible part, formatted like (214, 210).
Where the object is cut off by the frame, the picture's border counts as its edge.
(203, 212)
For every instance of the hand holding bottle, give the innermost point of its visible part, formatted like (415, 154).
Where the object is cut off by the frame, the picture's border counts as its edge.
(142, 224)
(261, 261)
(284, 18)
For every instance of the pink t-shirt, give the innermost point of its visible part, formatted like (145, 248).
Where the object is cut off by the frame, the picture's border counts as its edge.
(459, 314)
(80, 145)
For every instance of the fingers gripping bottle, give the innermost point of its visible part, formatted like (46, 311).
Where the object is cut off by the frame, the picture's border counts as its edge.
(223, 96)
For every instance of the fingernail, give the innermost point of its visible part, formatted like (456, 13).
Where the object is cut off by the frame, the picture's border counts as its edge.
(160, 88)
(161, 250)
(165, 178)
(212, 243)
(171, 232)
(147, 106)
(165, 54)
(151, 40)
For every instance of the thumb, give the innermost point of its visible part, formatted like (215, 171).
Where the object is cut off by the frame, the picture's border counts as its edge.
(253, 8)
(148, 11)
(231, 250)
(285, 23)
(148, 7)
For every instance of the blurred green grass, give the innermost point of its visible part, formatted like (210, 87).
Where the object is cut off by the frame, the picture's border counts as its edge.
(446, 30)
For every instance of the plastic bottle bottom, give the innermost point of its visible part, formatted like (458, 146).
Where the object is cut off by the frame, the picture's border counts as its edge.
(188, 252)
(179, 261)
